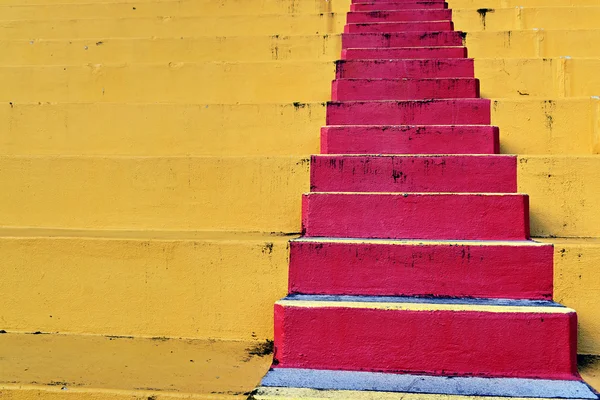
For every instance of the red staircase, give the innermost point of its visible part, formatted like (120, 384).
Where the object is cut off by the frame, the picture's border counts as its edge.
(416, 259)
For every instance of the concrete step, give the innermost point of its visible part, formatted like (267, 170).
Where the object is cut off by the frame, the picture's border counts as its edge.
(407, 68)
(54, 366)
(432, 216)
(404, 52)
(96, 129)
(410, 112)
(559, 126)
(207, 83)
(525, 18)
(42, 10)
(296, 383)
(402, 139)
(393, 27)
(404, 89)
(466, 337)
(166, 26)
(374, 6)
(237, 49)
(357, 17)
(401, 39)
(153, 193)
(71, 281)
(410, 173)
(486, 269)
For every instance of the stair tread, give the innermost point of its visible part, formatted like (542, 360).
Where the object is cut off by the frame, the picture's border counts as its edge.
(292, 379)
(136, 365)
(405, 303)
(417, 242)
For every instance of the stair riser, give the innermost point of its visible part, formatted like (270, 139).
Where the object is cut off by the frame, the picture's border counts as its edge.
(392, 1)
(479, 174)
(510, 272)
(392, 27)
(397, 6)
(409, 140)
(403, 53)
(524, 345)
(399, 16)
(368, 89)
(416, 216)
(445, 112)
(395, 69)
(405, 39)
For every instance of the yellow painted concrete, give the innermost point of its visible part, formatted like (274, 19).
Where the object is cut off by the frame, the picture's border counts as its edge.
(175, 284)
(533, 43)
(166, 26)
(82, 9)
(154, 193)
(100, 367)
(208, 83)
(528, 17)
(564, 195)
(161, 129)
(577, 285)
(165, 50)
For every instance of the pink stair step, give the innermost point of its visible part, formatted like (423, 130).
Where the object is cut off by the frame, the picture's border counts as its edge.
(404, 89)
(410, 112)
(401, 39)
(391, 27)
(357, 17)
(452, 216)
(371, 6)
(403, 53)
(465, 337)
(406, 68)
(414, 173)
(403, 139)
(394, 1)
(509, 270)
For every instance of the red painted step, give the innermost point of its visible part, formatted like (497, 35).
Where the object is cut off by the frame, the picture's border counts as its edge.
(509, 270)
(401, 39)
(428, 338)
(394, 1)
(391, 27)
(403, 53)
(393, 69)
(404, 89)
(371, 6)
(410, 173)
(402, 139)
(433, 216)
(358, 17)
(410, 112)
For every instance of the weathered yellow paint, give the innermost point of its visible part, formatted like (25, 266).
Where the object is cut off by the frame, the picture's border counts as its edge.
(564, 195)
(165, 26)
(207, 83)
(142, 283)
(519, 18)
(165, 50)
(82, 9)
(157, 193)
(100, 367)
(161, 129)
(577, 285)
(533, 43)
(546, 126)
(427, 307)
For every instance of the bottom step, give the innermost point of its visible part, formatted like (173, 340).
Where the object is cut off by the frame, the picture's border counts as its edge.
(326, 384)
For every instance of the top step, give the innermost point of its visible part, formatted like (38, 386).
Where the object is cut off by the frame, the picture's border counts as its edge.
(420, 5)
